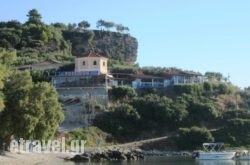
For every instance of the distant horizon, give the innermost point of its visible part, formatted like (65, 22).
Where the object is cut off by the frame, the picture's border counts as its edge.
(201, 36)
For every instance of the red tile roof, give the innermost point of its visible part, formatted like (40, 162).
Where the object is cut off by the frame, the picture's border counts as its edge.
(92, 53)
(143, 76)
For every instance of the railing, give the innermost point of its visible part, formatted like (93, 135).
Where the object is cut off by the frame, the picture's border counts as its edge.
(150, 85)
(81, 84)
(72, 74)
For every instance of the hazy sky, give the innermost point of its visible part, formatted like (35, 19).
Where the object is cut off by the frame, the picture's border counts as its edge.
(198, 35)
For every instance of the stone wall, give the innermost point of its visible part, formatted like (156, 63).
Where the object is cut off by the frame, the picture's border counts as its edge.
(82, 104)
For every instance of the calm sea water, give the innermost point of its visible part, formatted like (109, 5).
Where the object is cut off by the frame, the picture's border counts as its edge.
(155, 161)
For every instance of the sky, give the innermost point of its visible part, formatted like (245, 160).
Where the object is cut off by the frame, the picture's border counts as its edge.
(198, 35)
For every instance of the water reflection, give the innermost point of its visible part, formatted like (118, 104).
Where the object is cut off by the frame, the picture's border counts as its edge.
(222, 162)
(215, 162)
(243, 162)
(154, 161)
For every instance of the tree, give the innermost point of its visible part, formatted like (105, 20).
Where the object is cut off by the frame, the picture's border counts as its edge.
(100, 23)
(34, 17)
(201, 111)
(122, 122)
(83, 25)
(208, 86)
(235, 128)
(126, 29)
(13, 118)
(48, 111)
(6, 60)
(105, 24)
(122, 93)
(59, 25)
(14, 24)
(121, 28)
(32, 111)
(159, 112)
(41, 75)
(124, 69)
(224, 89)
(193, 138)
(108, 25)
(214, 76)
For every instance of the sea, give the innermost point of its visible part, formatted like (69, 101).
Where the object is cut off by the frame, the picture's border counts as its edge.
(153, 160)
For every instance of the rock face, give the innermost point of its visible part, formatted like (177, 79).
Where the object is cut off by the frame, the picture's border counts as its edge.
(116, 46)
(34, 42)
(76, 104)
(108, 155)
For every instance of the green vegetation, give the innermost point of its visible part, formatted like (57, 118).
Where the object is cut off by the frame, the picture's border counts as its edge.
(30, 110)
(91, 135)
(195, 113)
(213, 111)
(121, 122)
(122, 93)
(192, 138)
(33, 40)
(6, 60)
(36, 41)
(116, 46)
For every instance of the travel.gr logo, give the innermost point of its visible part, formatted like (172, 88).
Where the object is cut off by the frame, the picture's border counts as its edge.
(47, 146)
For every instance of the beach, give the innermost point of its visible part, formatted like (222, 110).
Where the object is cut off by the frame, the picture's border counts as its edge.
(17, 158)
(31, 158)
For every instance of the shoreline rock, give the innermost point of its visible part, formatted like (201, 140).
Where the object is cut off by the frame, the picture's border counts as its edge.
(91, 155)
(108, 155)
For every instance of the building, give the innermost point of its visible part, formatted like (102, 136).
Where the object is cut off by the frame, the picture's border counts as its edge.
(93, 62)
(138, 81)
(84, 91)
(49, 64)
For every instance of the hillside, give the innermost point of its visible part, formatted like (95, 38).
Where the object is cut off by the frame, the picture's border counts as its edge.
(214, 110)
(36, 41)
(211, 111)
(114, 45)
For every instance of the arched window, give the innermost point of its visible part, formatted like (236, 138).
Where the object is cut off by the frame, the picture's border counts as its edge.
(103, 63)
(94, 63)
(83, 63)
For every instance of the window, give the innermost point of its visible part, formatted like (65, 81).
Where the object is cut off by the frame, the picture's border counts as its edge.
(103, 63)
(83, 63)
(94, 63)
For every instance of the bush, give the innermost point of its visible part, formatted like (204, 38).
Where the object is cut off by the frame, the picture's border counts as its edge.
(195, 89)
(193, 138)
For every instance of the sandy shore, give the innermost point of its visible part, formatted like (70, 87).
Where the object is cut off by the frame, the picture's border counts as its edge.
(32, 158)
(58, 158)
